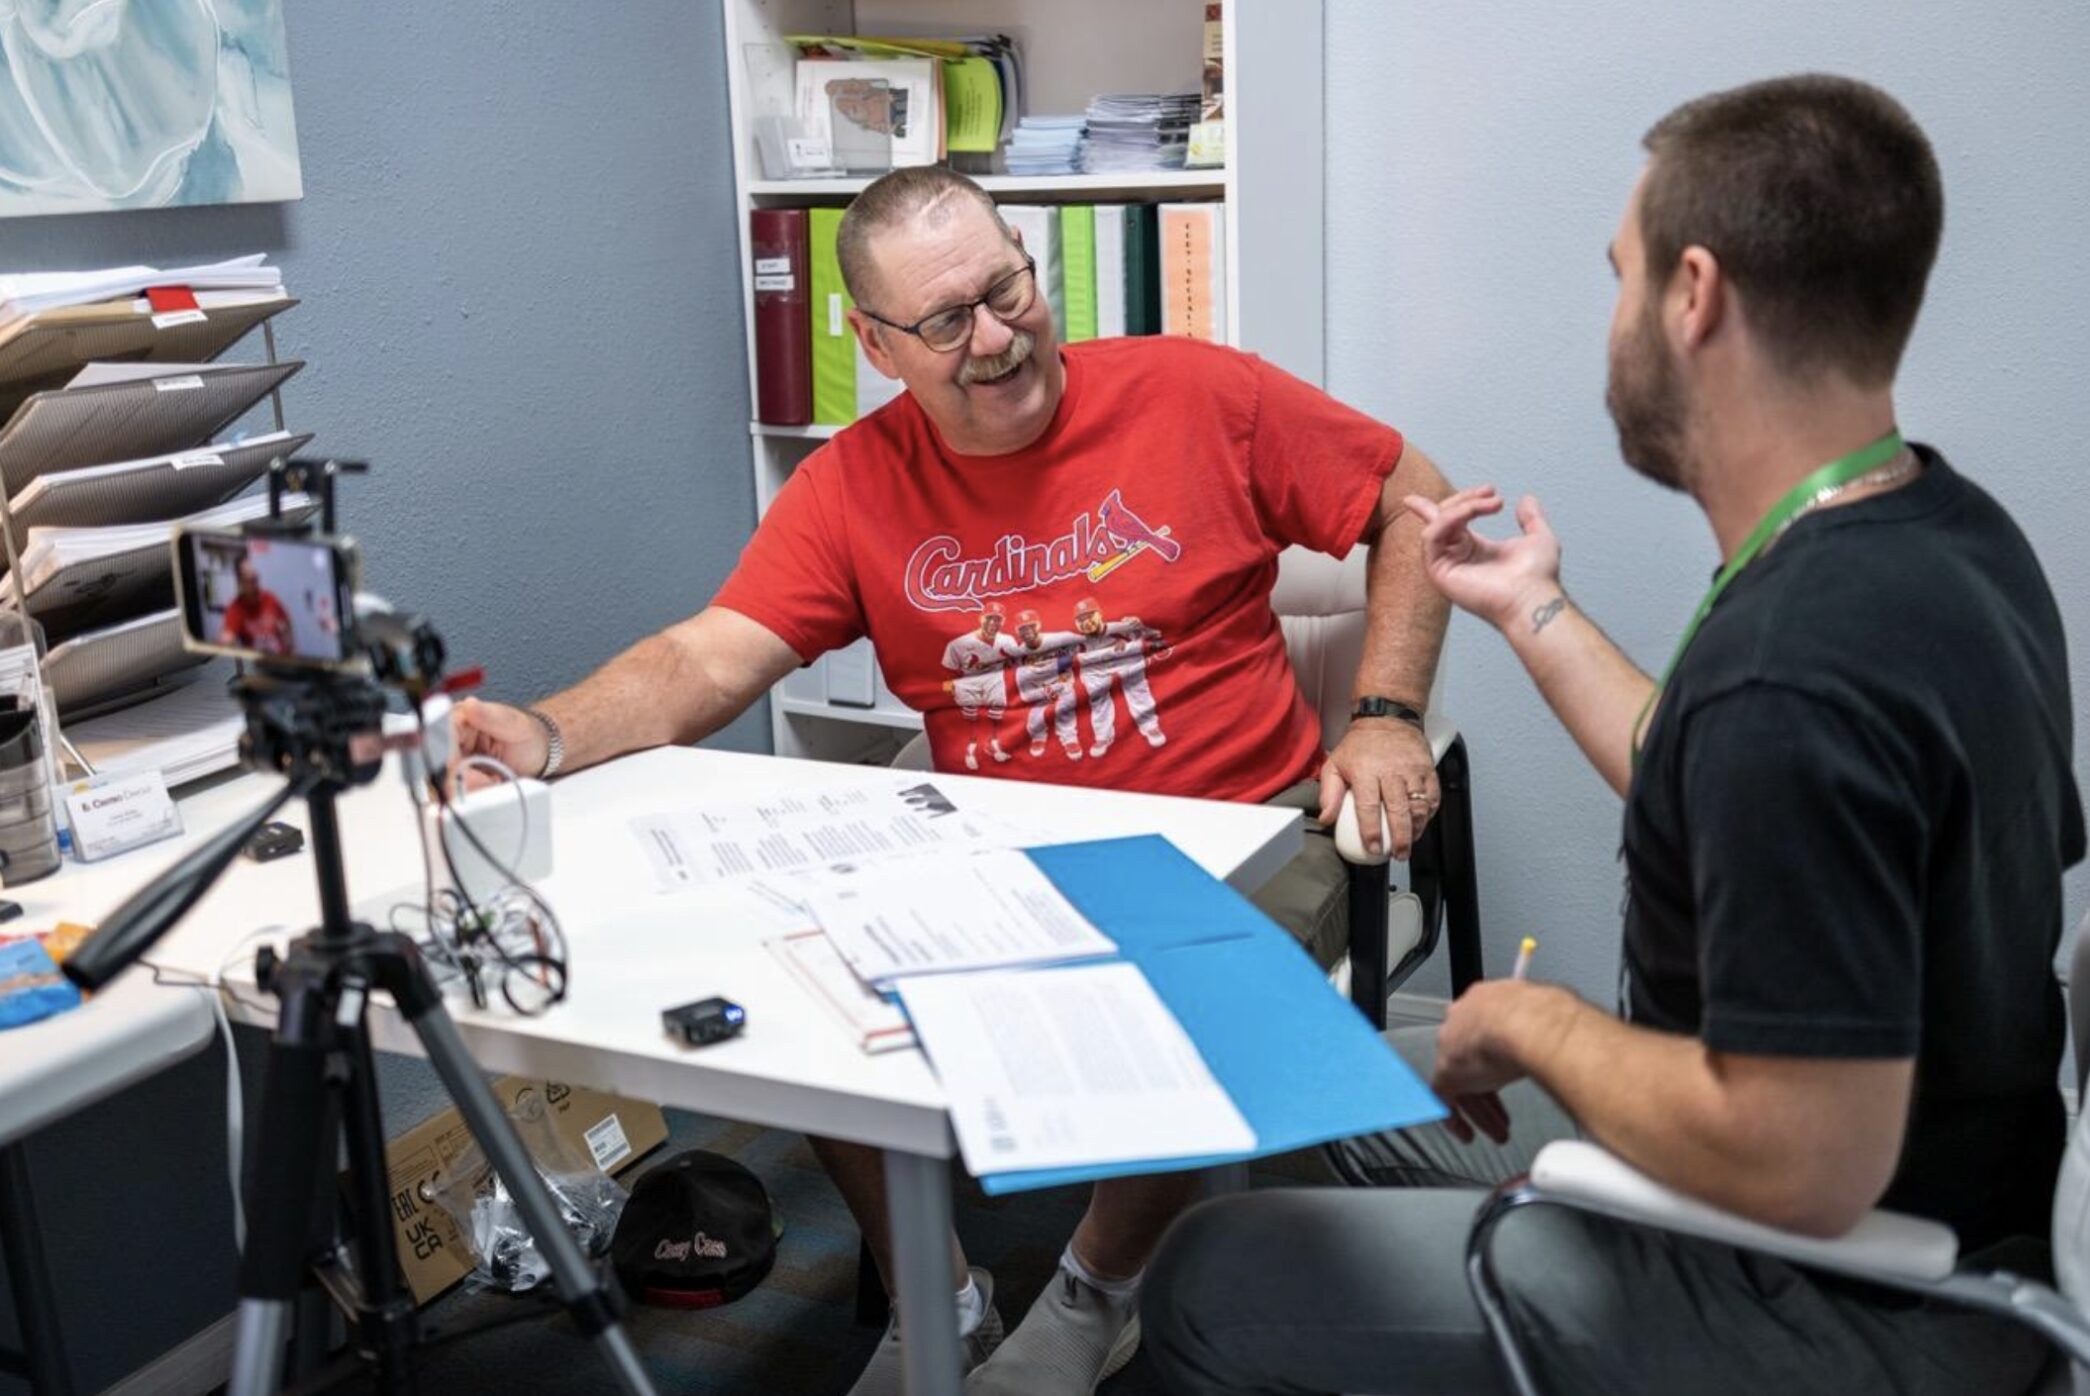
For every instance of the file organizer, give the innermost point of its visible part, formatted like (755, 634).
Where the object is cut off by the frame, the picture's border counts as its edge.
(82, 579)
(127, 455)
(45, 350)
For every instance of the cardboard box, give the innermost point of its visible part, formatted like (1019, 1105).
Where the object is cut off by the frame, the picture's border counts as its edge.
(433, 1254)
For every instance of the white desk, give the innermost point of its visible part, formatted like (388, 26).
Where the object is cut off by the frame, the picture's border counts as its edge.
(635, 950)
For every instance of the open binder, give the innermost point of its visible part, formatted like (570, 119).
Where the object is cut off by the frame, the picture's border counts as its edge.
(66, 428)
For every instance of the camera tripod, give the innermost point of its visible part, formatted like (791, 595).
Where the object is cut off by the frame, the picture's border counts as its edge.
(321, 730)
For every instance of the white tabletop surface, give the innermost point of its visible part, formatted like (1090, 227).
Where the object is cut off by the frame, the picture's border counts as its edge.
(634, 949)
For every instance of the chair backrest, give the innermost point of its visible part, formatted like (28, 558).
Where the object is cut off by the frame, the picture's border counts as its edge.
(1321, 604)
(2072, 1192)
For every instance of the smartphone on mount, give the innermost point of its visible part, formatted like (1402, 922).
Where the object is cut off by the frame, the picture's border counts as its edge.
(275, 597)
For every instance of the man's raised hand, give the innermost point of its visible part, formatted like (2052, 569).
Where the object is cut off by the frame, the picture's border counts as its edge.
(1498, 579)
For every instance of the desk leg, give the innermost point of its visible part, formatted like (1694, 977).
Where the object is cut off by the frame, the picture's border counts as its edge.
(918, 1197)
(36, 1307)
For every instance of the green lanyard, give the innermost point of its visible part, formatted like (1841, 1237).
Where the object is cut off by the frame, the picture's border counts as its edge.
(1834, 475)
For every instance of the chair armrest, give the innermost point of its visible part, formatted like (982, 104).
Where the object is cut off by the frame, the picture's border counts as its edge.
(1882, 1246)
(1349, 840)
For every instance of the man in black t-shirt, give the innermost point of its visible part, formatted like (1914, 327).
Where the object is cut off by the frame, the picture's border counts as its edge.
(1848, 805)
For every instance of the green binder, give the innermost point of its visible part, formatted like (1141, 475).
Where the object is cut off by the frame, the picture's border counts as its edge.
(834, 343)
(1078, 269)
(1142, 274)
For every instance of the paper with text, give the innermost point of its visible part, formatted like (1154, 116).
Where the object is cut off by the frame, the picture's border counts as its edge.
(798, 831)
(961, 910)
(1069, 1067)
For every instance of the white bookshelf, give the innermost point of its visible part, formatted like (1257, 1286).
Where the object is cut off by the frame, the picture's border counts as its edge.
(1073, 49)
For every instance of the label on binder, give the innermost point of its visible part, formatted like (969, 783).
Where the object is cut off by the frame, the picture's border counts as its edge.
(774, 283)
(114, 814)
(178, 385)
(189, 460)
(834, 316)
(771, 266)
(178, 317)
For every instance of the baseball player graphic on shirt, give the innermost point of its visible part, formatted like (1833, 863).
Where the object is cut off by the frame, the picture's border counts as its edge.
(1116, 653)
(1045, 679)
(980, 658)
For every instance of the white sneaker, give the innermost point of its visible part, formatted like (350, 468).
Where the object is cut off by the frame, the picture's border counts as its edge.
(999, 754)
(1073, 753)
(1099, 748)
(883, 1375)
(972, 758)
(1072, 1338)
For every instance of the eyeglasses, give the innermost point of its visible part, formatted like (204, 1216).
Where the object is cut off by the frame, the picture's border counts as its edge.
(944, 330)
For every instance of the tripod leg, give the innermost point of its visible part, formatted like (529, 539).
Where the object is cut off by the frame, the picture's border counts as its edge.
(293, 1122)
(587, 1297)
(387, 1322)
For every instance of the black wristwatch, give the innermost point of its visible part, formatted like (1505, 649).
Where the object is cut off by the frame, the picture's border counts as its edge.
(1373, 706)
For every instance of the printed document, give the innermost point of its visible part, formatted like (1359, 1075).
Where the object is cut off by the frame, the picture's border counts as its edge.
(957, 910)
(800, 831)
(1069, 1067)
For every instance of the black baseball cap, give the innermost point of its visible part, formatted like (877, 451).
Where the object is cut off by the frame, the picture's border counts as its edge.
(698, 1232)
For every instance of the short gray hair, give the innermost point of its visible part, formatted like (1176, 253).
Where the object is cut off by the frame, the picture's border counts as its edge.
(890, 200)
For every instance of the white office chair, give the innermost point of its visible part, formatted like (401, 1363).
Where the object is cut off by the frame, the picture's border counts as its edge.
(1884, 1248)
(1321, 603)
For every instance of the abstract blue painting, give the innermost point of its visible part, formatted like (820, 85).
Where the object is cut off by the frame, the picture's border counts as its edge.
(116, 104)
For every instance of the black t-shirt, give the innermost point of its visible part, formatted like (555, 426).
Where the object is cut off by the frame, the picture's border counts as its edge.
(1848, 829)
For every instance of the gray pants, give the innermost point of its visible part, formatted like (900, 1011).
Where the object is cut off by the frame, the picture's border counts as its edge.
(1310, 896)
(1363, 1290)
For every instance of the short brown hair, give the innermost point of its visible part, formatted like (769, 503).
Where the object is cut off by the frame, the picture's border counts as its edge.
(892, 199)
(1821, 200)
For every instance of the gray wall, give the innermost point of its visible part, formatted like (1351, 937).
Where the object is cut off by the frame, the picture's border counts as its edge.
(518, 256)
(517, 251)
(1478, 160)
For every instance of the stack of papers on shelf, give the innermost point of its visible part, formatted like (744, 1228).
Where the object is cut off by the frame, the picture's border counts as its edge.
(1139, 131)
(185, 734)
(78, 579)
(1046, 145)
(117, 660)
(130, 412)
(157, 487)
(31, 293)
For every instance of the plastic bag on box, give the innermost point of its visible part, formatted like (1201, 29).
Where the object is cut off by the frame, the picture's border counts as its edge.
(506, 1255)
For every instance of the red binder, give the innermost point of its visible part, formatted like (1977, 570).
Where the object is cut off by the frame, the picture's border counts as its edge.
(783, 327)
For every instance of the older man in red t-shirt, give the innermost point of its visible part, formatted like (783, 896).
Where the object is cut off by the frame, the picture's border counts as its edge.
(255, 620)
(1123, 500)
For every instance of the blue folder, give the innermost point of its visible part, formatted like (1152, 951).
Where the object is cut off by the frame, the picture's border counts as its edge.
(1301, 1064)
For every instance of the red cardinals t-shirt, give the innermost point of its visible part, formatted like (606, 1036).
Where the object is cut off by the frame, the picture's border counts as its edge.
(1095, 608)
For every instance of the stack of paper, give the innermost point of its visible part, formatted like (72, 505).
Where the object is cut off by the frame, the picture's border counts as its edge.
(238, 281)
(156, 487)
(78, 579)
(1046, 145)
(189, 733)
(1138, 131)
(947, 912)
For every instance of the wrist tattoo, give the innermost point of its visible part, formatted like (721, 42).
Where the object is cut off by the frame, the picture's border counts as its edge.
(1544, 615)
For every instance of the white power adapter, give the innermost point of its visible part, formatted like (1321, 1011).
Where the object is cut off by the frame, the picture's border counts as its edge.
(512, 824)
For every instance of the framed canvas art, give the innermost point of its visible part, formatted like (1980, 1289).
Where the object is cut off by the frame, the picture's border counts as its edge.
(121, 104)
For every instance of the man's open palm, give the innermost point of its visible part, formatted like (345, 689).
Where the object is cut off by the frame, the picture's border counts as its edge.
(1494, 578)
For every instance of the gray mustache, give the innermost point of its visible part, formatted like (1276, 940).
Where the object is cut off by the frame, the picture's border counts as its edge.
(1019, 349)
